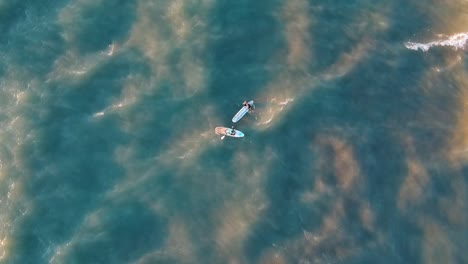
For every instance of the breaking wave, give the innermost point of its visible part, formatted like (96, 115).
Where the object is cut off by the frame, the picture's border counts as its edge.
(457, 41)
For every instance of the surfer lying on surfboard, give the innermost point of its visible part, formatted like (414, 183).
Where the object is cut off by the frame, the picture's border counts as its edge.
(248, 105)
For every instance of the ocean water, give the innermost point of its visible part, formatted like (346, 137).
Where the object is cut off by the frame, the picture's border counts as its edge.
(357, 151)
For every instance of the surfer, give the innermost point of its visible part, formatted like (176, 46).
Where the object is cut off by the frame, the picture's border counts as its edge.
(248, 105)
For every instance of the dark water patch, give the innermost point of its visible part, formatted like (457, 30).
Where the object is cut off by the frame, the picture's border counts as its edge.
(160, 259)
(367, 112)
(100, 88)
(71, 160)
(30, 35)
(381, 154)
(437, 116)
(94, 27)
(182, 197)
(406, 238)
(14, 11)
(384, 94)
(39, 48)
(198, 193)
(464, 172)
(379, 148)
(381, 254)
(65, 176)
(156, 120)
(441, 197)
(289, 177)
(123, 233)
(3, 69)
(332, 30)
(68, 159)
(401, 97)
(247, 37)
(403, 243)
(10, 12)
(31, 245)
(382, 161)
(352, 222)
(407, 18)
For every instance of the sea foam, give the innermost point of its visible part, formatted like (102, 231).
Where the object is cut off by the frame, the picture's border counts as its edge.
(457, 41)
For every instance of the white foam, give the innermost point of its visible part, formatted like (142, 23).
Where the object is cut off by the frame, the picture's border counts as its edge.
(186, 154)
(98, 114)
(110, 50)
(78, 72)
(274, 110)
(457, 41)
(268, 121)
(285, 102)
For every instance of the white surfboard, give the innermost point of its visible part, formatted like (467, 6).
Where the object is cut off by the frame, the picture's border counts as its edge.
(244, 110)
(230, 132)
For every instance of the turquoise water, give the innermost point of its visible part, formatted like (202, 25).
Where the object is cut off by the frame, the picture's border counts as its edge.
(357, 151)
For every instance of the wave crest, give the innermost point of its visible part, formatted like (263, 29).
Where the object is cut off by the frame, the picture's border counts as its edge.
(457, 41)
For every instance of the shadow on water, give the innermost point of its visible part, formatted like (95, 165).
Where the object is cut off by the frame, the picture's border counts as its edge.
(370, 113)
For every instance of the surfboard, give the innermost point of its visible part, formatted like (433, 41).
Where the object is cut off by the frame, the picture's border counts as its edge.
(242, 112)
(230, 132)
